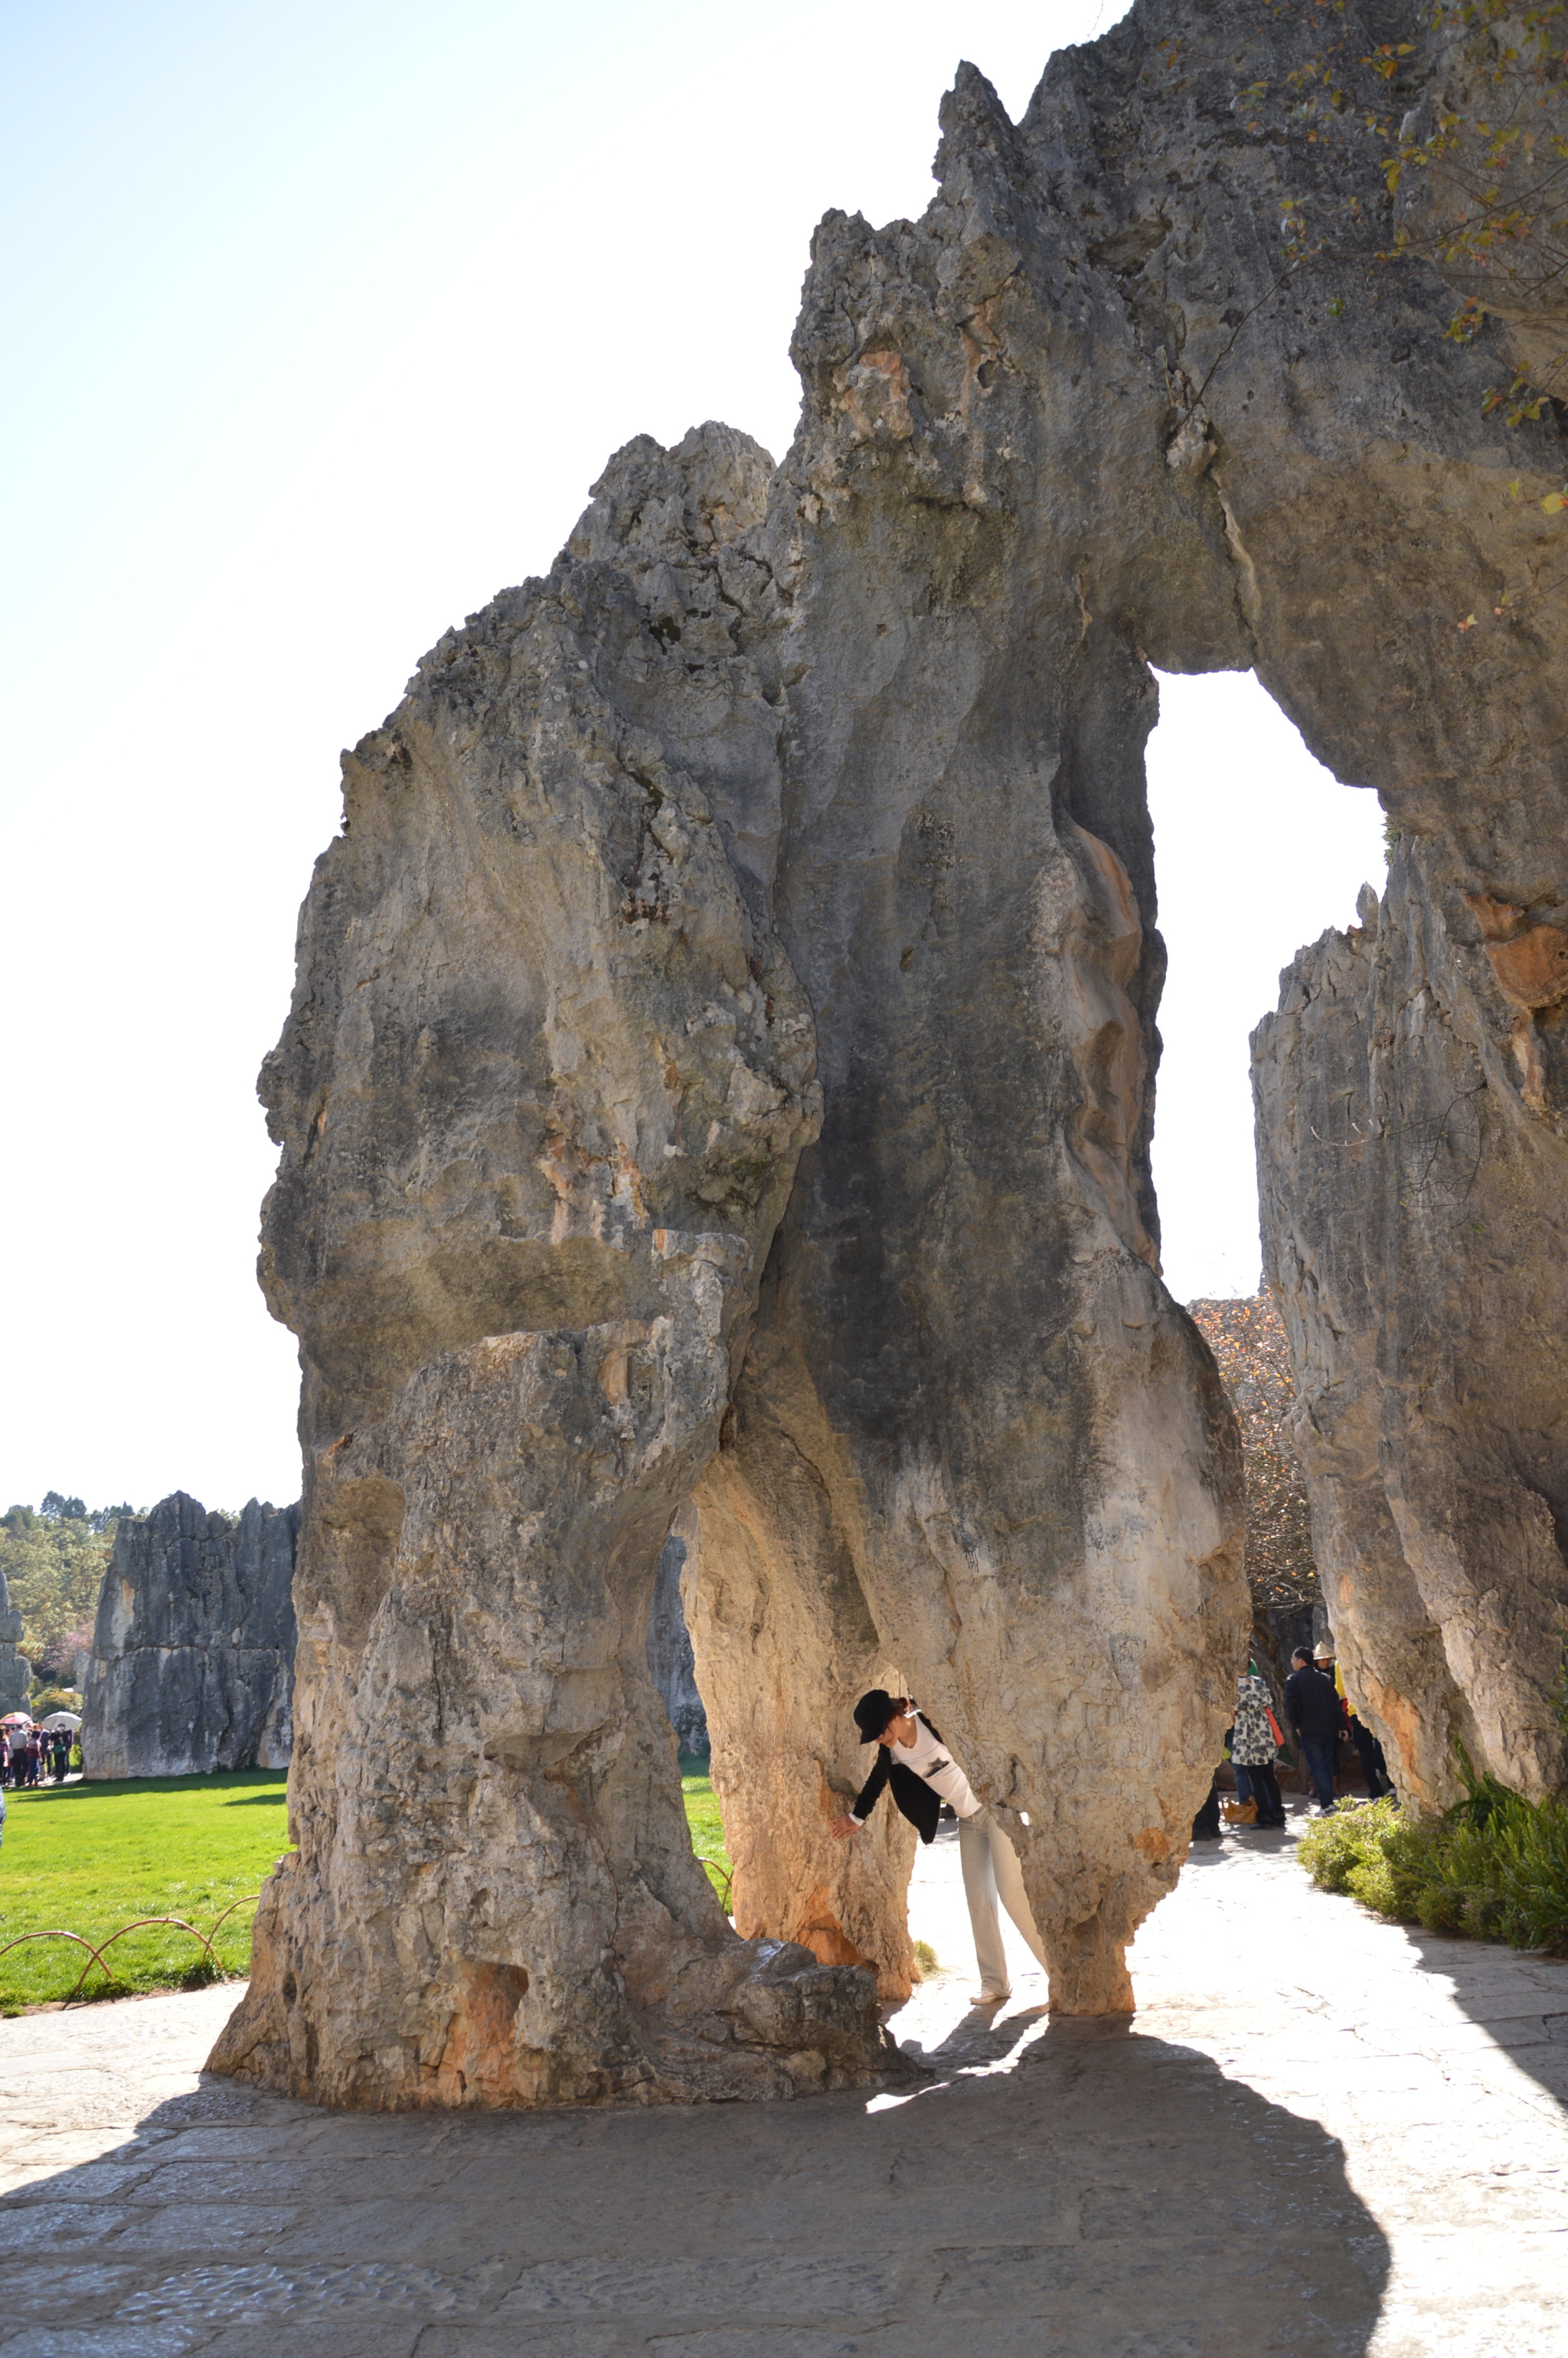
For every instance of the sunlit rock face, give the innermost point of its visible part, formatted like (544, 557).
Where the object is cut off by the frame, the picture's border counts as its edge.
(192, 1661)
(1415, 1208)
(971, 1416)
(786, 1643)
(540, 1100)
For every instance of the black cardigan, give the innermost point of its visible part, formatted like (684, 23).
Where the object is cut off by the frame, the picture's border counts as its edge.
(918, 1801)
(1312, 1703)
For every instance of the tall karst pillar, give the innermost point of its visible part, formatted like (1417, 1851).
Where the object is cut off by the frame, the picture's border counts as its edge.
(1415, 1222)
(971, 1405)
(1092, 412)
(540, 1098)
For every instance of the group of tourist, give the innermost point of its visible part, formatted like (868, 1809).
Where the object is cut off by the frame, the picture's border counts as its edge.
(34, 1756)
(1317, 1712)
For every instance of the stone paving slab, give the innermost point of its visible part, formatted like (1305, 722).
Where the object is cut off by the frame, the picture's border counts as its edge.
(1322, 2135)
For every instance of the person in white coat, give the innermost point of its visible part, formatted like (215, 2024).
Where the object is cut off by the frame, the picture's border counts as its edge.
(923, 1774)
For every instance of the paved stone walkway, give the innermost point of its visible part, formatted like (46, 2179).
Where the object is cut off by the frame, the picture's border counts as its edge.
(1320, 2134)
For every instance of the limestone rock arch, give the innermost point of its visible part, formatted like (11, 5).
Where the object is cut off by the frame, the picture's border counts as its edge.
(721, 1083)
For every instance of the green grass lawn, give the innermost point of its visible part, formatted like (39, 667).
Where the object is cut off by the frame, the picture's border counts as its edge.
(88, 1859)
(707, 1825)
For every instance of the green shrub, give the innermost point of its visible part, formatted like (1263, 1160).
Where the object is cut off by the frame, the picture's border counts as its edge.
(1333, 1849)
(1494, 1866)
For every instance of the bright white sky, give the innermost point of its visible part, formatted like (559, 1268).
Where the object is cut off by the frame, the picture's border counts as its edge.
(322, 317)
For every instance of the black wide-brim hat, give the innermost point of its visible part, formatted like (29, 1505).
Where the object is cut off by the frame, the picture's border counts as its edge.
(872, 1713)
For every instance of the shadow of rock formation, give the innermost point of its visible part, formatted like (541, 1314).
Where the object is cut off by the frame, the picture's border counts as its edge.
(1113, 2195)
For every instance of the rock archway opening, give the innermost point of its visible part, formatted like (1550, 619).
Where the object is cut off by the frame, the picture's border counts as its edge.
(1257, 849)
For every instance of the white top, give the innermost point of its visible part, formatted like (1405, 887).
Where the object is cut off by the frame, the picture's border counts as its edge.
(936, 1765)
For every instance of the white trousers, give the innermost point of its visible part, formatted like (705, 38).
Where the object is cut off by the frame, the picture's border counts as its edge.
(991, 1872)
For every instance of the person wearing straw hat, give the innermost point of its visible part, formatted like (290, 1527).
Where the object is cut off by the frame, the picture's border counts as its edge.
(914, 1761)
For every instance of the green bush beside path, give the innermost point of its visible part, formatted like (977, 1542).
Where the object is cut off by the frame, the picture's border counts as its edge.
(1494, 1865)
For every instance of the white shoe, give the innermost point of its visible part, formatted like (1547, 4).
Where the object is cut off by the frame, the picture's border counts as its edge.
(991, 1997)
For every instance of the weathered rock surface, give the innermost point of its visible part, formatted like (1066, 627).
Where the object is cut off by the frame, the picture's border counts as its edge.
(671, 1665)
(838, 775)
(1079, 416)
(1252, 1353)
(15, 1671)
(786, 1644)
(1407, 613)
(540, 1100)
(192, 1661)
(1075, 417)
(1415, 1212)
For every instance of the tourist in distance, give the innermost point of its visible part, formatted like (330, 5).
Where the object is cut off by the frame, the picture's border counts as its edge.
(1253, 1744)
(1238, 1768)
(924, 1774)
(1374, 1767)
(1313, 1708)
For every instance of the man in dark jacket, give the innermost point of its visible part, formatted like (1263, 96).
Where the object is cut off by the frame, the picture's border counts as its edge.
(1311, 1706)
(1374, 1766)
(913, 1759)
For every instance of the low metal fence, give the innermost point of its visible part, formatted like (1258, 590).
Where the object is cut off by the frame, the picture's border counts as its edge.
(723, 1881)
(723, 1875)
(95, 1951)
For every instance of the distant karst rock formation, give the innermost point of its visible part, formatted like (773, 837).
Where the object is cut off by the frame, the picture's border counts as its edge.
(1252, 1352)
(15, 1671)
(719, 1084)
(192, 1661)
(670, 1658)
